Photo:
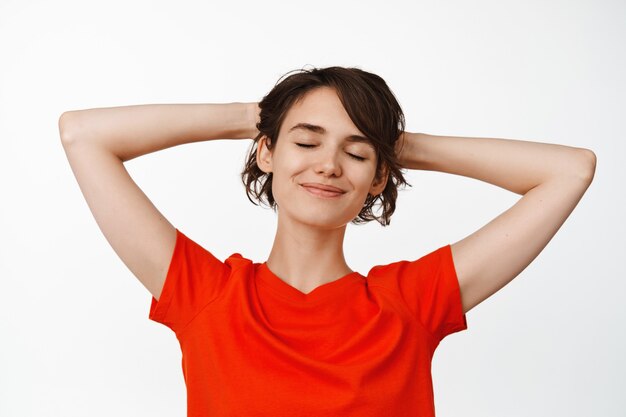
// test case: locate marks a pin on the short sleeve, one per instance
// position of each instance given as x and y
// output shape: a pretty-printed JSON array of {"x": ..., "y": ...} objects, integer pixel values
[
  {"x": 194, "y": 278},
  {"x": 431, "y": 289}
]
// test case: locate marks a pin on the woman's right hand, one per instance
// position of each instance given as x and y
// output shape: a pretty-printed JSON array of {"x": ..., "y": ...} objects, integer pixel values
[{"x": 254, "y": 117}]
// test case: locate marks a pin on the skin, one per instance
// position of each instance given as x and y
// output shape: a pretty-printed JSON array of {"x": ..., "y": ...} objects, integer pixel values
[
  {"x": 307, "y": 251},
  {"x": 551, "y": 179},
  {"x": 308, "y": 245}
]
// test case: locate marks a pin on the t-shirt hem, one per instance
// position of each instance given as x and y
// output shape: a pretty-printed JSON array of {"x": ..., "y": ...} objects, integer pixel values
[
  {"x": 158, "y": 308},
  {"x": 459, "y": 318}
]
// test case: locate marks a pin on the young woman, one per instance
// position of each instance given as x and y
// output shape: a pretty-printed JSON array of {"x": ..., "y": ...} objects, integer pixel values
[{"x": 302, "y": 334}]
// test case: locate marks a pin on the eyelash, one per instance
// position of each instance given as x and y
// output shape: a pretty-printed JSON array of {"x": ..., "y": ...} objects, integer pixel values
[{"x": 358, "y": 158}]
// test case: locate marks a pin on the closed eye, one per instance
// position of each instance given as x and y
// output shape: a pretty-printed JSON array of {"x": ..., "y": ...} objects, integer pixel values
[{"x": 358, "y": 158}]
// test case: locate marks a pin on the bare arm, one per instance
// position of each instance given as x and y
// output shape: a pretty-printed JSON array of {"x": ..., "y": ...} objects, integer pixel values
[
  {"x": 552, "y": 179},
  {"x": 98, "y": 141}
]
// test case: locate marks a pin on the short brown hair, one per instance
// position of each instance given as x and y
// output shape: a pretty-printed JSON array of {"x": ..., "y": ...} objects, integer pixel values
[{"x": 373, "y": 109}]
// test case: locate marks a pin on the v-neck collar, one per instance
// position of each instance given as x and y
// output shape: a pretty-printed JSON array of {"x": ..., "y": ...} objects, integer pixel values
[{"x": 321, "y": 292}]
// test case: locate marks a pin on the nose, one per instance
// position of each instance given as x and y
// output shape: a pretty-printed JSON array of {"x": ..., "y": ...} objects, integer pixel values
[{"x": 328, "y": 163}]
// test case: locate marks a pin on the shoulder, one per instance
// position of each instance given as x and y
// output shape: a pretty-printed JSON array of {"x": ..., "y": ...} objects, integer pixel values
[{"x": 429, "y": 260}]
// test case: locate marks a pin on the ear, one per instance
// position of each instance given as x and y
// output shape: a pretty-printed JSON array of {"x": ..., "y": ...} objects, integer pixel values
[
  {"x": 264, "y": 155},
  {"x": 379, "y": 184}
]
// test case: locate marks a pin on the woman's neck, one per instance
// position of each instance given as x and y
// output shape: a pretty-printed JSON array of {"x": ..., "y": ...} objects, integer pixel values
[{"x": 306, "y": 257}]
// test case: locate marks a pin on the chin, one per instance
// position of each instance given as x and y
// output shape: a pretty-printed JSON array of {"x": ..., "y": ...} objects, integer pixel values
[
  {"x": 318, "y": 219},
  {"x": 325, "y": 215}
]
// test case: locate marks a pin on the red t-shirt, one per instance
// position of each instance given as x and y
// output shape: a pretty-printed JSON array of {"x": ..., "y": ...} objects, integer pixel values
[{"x": 252, "y": 345}]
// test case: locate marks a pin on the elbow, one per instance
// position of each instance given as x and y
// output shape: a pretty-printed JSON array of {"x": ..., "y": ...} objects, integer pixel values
[
  {"x": 590, "y": 164},
  {"x": 66, "y": 123},
  {"x": 587, "y": 168}
]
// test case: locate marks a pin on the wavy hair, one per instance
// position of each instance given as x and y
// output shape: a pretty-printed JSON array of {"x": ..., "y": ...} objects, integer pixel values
[{"x": 371, "y": 106}]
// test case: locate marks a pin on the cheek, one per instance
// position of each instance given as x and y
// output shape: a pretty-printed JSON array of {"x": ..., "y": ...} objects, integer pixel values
[
  {"x": 290, "y": 169},
  {"x": 285, "y": 176},
  {"x": 366, "y": 177}
]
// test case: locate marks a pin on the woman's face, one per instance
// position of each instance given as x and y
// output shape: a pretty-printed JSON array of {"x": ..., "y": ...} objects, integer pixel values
[{"x": 319, "y": 144}]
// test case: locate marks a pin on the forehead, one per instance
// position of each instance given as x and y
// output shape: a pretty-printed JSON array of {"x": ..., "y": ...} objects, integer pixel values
[{"x": 320, "y": 107}]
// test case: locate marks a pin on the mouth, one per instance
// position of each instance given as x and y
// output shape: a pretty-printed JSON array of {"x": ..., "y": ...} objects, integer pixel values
[{"x": 324, "y": 193}]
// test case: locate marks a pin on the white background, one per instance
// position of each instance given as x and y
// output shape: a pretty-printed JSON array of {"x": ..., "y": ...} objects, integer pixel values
[{"x": 75, "y": 335}]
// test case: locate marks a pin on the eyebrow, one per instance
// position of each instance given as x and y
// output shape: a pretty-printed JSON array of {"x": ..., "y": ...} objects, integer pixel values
[{"x": 320, "y": 130}]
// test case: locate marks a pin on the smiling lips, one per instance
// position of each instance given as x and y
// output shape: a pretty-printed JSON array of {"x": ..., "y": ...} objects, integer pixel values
[{"x": 322, "y": 189}]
